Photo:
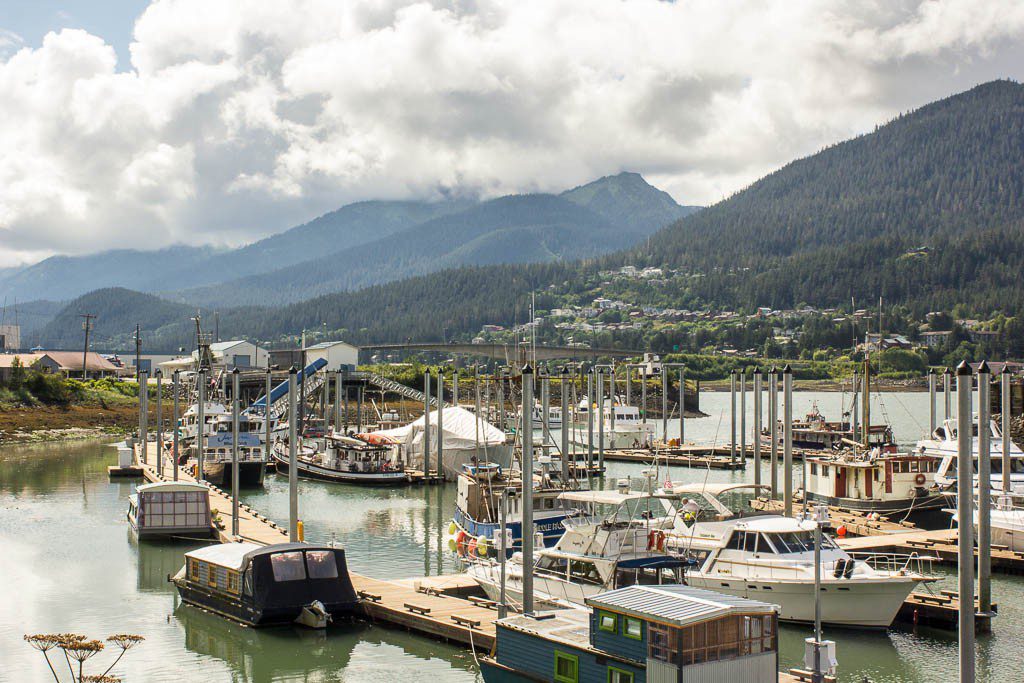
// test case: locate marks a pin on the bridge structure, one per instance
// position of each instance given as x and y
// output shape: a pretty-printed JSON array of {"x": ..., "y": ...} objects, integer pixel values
[{"x": 510, "y": 353}]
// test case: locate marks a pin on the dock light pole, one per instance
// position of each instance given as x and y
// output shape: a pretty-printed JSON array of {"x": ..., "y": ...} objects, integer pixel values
[
  {"x": 600, "y": 418},
  {"x": 947, "y": 381},
  {"x": 426, "y": 423},
  {"x": 590, "y": 420},
  {"x": 758, "y": 401},
  {"x": 565, "y": 424},
  {"x": 773, "y": 428},
  {"x": 984, "y": 489},
  {"x": 159, "y": 424},
  {"x": 743, "y": 414},
  {"x": 234, "y": 452},
  {"x": 144, "y": 416},
  {"x": 293, "y": 466},
  {"x": 1004, "y": 411},
  {"x": 932, "y": 412},
  {"x": 174, "y": 423},
  {"x": 965, "y": 519},
  {"x": 820, "y": 518},
  {"x": 732, "y": 415},
  {"x": 787, "y": 440},
  {"x": 528, "y": 529},
  {"x": 440, "y": 420},
  {"x": 201, "y": 427}
]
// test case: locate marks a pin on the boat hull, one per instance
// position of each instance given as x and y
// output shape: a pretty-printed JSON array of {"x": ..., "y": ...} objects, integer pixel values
[
  {"x": 847, "y": 602},
  {"x": 890, "y": 506},
  {"x": 250, "y": 473},
  {"x": 550, "y": 526},
  {"x": 238, "y": 610}
]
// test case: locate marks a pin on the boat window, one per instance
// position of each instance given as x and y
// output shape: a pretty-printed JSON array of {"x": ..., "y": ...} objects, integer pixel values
[
  {"x": 1016, "y": 465},
  {"x": 798, "y": 542},
  {"x": 193, "y": 569},
  {"x": 567, "y": 668},
  {"x": 814, "y": 468},
  {"x": 607, "y": 621},
  {"x": 321, "y": 564},
  {"x": 751, "y": 543},
  {"x": 554, "y": 565},
  {"x": 619, "y": 676},
  {"x": 632, "y": 628},
  {"x": 824, "y": 470},
  {"x": 584, "y": 572},
  {"x": 288, "y": 566},
  {"x": 232, "y": 581},
  {"x": 737, "y": 541}
]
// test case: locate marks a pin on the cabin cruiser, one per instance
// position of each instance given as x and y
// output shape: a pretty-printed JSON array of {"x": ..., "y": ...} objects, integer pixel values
[
  {"x": 597, "y": 552},
  {"x": 344, "y": 459},
  {"x": 771, "y": 558},
  {"x": 624, "y": 426},
  {"x": 873, "y": 481},
  {"x": 481, "y": 488},
  {"x": 264, "y": 585},
  {"x": 943, "y": 446},
  {"x": 1006, "y": 519}
]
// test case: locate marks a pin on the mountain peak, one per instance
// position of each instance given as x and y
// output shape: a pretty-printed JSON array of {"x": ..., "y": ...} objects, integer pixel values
[{"x": 629, "y": 201}]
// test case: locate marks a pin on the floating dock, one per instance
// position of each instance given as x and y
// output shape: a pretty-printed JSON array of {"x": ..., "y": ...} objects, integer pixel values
[
  {"x": 703, "y": 457},
  {"x": 856, "y": 523},
  {"x": 942, "y": 545}
]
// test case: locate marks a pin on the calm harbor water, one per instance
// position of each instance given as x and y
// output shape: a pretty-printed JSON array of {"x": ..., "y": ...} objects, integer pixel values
[{"x": 68, "y": 563}]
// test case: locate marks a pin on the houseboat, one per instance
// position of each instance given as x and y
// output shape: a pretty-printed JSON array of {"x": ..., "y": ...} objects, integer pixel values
[
  {"x": 658, "y": 634},
  {"x": 345, "y": 459},
  {"x": 170, "y": 508},
  {"x": 771, "y": 558},
  {"x": 943, "y": 445},
  {"x": 887, "y": 483},
  {"x": 266, "y": 585}
]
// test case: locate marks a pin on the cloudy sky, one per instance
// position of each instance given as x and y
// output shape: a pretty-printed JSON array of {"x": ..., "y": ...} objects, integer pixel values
[{"x": 188, "y": 121}]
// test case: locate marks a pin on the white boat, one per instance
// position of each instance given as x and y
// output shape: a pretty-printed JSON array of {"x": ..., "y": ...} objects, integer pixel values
[
  {"x": 1006, "y": 520},
  {"x": 943, "y": 445},
  {"x": 624, "y": 426},
  {"x": 554, "y": 416},
  {"x": 596, "y": 553},
  {"x": 344, "y": 459},
  {"x": 771, "y": 558},
  {"x": 218, "y": 440}
]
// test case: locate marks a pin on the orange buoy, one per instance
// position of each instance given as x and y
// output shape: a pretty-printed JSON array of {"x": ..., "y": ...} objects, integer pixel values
[
  {"x": 471, "y": 548},
  {"x": 841, "y": 531},
  {"x": 460, "y": 542}
]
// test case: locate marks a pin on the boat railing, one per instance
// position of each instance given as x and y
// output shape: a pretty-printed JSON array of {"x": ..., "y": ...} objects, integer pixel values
[{"x": 897, "y": 563}]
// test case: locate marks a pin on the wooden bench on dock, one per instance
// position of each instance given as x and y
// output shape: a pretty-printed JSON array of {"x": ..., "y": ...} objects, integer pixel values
[
  {"x": 466, "y": 621},
  {"x": 417, "y": 609},
  {"x": 483, "y": 602},
  {"x": 364, "y": 595}
]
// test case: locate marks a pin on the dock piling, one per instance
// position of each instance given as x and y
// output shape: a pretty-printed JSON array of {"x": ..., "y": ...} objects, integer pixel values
[
  {"x": 565, "y": 423},
  {"x": 174, "y": 423},
  {"x": 266, "y": 416},
  {"x": 527, "y": 514},
  {"x": 201, "y": 427},
  {"x": 590, "y": 420},
  {"x": 965, "y": 517},
  {"x": 600, "y": 418},
  {"x": 1004, "y": 413},
  {"x": 144, "y": 414},
  {"x": 984, "y": 489},
  {"x": 758, "y": 400},
  {"x": 159, "y": 423},
  {"x": 234, "y": 452},
  {"x": 545, "y": 408},
  {"x": 773, "y": 428},
  {"x": 854, "y": 413},
  {"x": 743, "y": 413},
  {"x": 947, "y": 381},
  {"x": 293, "y": 468},
  {"x": 732, "y": 415},
  {"x": 931, "y": 402},
  {"x": 440, "y": 421},
  {"x": 787, "y": 441},
  {"x": 426, "y": 423},
  {"x": 682, "y": 404}
]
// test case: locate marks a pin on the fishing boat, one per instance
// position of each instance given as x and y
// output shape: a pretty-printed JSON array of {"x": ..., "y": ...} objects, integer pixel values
[
  {"x": 218, "y": 440},
  {"x": 621, "y": 543},
  {"x": 624, "y": 426},
  {"x": 170, "y": 508},
  {"x": 344, "y": 459},
  {"x": 481, "y": 489},
  {"x": 943, "y": 446},
  {"x": 771, "y": 558},
  {"x": 259, "y": 585},
  {"x": 814, "y": 432},
  {"x": 872, "y": 481}
]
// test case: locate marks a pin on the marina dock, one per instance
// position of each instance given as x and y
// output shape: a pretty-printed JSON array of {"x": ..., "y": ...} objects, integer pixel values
[
  {"x": 856, "y": 523},
  {"x": 942, "y": 545},
  {"x": 706, "y": 457}
]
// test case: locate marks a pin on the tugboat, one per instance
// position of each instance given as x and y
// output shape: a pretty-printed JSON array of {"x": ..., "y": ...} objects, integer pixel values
[
  {"x": 268, "y": 585},
  {"x": 345, "y": 459}
]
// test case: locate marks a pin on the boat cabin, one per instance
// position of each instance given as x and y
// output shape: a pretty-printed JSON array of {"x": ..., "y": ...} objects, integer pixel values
[
  {"x": 875, "y": 482},
  {"x": 654, "y": 634},
  {"x": 170, "y": 508},
  {"x": 262, "y": 585}
]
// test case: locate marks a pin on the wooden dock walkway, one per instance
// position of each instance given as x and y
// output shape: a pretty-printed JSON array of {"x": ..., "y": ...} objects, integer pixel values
[
  {"x": 942, "y": 545},
  {"x": 685, "y": 456},
  {"x": 856, "y": 523},
  {"x": 432, "y": 608}
]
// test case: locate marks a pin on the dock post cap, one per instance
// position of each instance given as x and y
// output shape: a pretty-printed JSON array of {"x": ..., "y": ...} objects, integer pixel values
[
  {"x": 947, "y": 371},
  {"x": 527, "y": 370},
  {"x": 984, "y": 369},
  {"x": 1006, "y": 369},
  {"x": 787, "y": 370},
  {"x": 963, "y": 369},
  {"x": 426, "y": 371},
  {"x": 293, "y": 370},
  {"x": 268, "y": 370},
  {"x": 233, "y": 372},
  {"x": 774, "y": 370},
  {"x": 931, "y": 371},
  {"x": 565, "y": 369},
  {"x": 158, "y": 373}
]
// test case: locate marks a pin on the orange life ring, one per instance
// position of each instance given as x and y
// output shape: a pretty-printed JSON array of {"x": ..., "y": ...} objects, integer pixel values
[
  {"x": 471, "y": 548},
  {"x": 656, "y": 540},
  {"x": 919, "y": 479},
  {"x": 460, "y": 542}
]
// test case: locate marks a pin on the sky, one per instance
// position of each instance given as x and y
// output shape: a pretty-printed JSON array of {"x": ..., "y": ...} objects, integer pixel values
[{"x": 134, "y": 124}]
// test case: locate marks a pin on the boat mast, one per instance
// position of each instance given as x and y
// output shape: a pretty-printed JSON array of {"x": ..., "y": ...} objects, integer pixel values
[{"x": 866, "y": 426}]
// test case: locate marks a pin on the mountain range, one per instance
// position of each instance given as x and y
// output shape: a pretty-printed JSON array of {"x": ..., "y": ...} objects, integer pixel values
[
  {"x": 368, "y": 243},
  {"x": 927, "y": 210}
]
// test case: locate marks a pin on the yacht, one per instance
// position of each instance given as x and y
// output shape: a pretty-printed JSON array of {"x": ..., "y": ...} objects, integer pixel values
[
  {"x": 1006, "y": 520},
  {"x": 624, "y": 426},
  {"x": 771, "y": 558},
  {"x": 943, "y": 446},
  {"x": 597, "y": 553}
]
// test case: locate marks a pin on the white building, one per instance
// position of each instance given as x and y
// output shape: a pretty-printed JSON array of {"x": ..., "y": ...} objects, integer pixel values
[
  {"x": 336, "y": 353},
  {"x": 238, "y": 354}
]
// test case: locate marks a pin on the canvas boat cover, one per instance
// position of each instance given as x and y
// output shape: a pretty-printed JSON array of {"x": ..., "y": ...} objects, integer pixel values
[{"x": 461, "y": 430}]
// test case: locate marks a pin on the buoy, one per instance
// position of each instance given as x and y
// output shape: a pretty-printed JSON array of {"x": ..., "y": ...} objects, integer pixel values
[
  {"x": 301, "y": 531},
  {"x": 841, "y": 531},
  {"x": 453, "y": 528},
  {"x": 451, "y": 545},
  {"x": 471, "y": 548},
  {"x": 482, "y": 546},
  {"x": 460, "y": 542}
]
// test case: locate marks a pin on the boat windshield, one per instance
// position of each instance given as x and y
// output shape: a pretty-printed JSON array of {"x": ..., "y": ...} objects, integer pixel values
[{"x": 798, "y": 542}]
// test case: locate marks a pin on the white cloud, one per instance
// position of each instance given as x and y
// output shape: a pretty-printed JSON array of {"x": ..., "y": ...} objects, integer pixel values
[{"x": 239, "y": 118}]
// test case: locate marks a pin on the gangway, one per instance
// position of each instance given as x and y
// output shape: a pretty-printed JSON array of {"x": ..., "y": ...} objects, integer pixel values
[
  {"x": 279, "y": 394},
  {"x": 393, "y": 386}
]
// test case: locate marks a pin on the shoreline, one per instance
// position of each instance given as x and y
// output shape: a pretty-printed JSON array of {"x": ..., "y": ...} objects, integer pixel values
[{"x": 41, "y": 424}]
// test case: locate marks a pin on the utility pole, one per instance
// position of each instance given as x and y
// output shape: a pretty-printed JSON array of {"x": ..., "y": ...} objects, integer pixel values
[
  {"x": 138, "y": 350},
  {"x": 86, "y": 325}
]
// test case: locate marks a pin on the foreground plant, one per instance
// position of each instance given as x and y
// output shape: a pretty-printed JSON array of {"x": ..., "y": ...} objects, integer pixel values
[{"x": 80, "y": 649}]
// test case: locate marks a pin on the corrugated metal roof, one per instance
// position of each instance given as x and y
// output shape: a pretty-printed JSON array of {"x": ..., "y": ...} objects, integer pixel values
[
  {"x": 676, "y": 604},
  {"x": 329, "y": 344},
  {"x": 230, "y": 555}
]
